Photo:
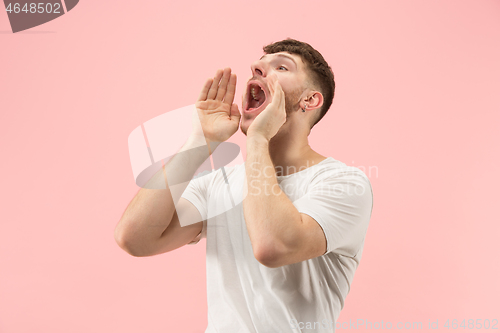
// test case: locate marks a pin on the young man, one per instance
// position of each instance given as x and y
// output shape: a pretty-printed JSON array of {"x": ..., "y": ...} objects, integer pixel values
[{"x": 284, "y": 258}]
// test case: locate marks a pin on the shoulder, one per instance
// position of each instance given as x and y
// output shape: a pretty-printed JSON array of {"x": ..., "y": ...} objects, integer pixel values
[
  {"x": 333, "y": 169},
  {"x": 337, "y": 178}
]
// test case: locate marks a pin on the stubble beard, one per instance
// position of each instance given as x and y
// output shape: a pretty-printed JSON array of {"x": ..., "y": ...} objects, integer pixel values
[{"x": 292, "y": 101}]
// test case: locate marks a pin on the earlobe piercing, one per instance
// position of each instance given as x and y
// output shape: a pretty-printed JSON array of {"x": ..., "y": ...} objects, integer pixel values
[{"x": 304, "y": 109}]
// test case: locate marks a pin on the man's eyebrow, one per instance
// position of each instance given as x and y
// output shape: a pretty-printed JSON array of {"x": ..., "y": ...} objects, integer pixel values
[{"x": 281, "y": 55}]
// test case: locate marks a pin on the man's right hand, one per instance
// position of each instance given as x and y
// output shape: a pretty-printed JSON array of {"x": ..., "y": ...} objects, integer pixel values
[{"x": 218, "y": 116}]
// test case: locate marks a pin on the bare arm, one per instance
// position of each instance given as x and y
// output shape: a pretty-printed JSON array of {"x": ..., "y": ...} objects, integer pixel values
[
  {"x": 150, "y": 213},
  {"x": 279, "y": 234},
  {"x": 150, "y": 224}
]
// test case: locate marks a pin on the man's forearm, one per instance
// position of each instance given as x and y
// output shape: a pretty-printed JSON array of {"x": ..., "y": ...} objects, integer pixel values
[
  {"x": 150, "y": 212},
  {"x": 270, "y": 216}
]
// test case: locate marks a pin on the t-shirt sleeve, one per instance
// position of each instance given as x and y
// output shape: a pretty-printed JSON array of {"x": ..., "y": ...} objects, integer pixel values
[
  {"x": 196, "y": 193},
  {"x": 341, "y": 203}
]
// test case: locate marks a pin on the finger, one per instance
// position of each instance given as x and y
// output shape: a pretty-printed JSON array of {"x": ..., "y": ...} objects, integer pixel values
[
  {"x": 271, "y": 90},
  {"x": 276, "y": 94},
  {"x": 283, "y": 102},
  {"x": 221, "y": 92},
  {"x": 204, "y": 90},
  {"x": 273, "y": 80},
  {"x": 231, "y": 88},
  {"x": 201, "y": 105},
  {"x": 215, "y": 85},
  {"x": 281, "y": 96}
]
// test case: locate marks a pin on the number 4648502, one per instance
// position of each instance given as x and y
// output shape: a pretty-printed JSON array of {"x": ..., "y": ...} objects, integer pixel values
[
  {"x": 472, "y": 324},
  {"x": 33, "y": 8}
]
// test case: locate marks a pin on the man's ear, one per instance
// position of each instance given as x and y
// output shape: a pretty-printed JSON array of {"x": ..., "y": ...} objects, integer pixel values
[{"x": 315, "y": 101}]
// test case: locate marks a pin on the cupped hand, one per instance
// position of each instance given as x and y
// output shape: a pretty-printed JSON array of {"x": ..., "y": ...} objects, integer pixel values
[
  {"x": 269, "y": 121},
  {"x": 218, "y": 116}
]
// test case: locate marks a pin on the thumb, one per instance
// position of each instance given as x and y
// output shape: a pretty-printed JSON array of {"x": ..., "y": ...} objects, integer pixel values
[{"x": 235, "y": 112}]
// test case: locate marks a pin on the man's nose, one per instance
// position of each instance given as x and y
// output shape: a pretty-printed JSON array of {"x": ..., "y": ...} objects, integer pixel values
[{"x": 259, "y": 68}]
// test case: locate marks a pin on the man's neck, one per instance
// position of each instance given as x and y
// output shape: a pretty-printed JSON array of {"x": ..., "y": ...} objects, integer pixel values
[{"x": 291, "y": 154}]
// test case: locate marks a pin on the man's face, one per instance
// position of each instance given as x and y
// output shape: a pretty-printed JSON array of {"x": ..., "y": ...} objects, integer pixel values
[{"x": 290, "y": 71}]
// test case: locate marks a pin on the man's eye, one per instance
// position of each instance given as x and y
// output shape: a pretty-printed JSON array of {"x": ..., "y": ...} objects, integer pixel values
[{"x": 282, "y": 67}]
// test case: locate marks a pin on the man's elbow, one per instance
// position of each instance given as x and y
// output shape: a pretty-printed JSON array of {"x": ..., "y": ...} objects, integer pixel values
[
  {"x": 269, "y": 256},
  {"x": 125, "y": 244}
]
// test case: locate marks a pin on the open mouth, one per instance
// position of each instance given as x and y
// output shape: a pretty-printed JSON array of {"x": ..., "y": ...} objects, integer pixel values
[{"x": 256, "y": 97}]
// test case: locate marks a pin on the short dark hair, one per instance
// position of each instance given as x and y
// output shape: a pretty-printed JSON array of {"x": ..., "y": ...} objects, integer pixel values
[{"x": 318, "y": 70}]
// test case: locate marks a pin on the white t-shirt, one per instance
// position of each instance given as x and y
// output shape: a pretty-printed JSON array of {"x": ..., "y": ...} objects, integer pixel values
[{"x": 245, "y": 296}]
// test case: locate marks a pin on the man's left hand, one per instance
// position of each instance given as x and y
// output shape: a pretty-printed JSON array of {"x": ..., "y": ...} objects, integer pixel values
[{"x": 270, "y": 120}]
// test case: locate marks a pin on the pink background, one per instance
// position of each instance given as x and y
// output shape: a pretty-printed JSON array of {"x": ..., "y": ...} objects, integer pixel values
[{"x": 417, "y": 100}]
